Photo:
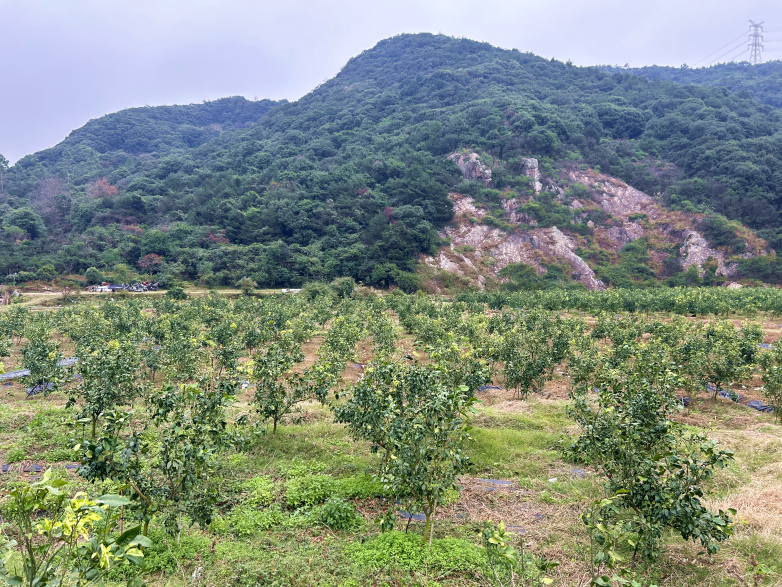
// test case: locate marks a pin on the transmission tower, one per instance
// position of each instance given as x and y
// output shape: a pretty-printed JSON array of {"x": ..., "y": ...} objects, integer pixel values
[{"x": 755, "y": 43}]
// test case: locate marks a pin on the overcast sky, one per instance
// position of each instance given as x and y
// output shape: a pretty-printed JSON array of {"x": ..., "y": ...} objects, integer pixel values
[{"x": 66, "y": 61}]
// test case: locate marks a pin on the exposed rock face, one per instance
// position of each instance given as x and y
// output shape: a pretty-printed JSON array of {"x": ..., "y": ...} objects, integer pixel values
[
  {"x": 472, "y": 168},
  {"x": 616, "y": 197},
  {"x": 550, "y": 242},
  {"x": 531, "y": 170},
  {"x": 630, "y": 231},
  {"x": 696, "y": 251},
  {"x": 465, "y": 207},
  {"x": 510, "y": 207},
  {"x": 478, "y": 251},
  {"x": 530, "y": 247},
  {"x": 622, "y": 201}
]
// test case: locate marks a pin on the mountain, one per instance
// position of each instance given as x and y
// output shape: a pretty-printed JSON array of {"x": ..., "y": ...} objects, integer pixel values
[{"x": 360, "y": 176}]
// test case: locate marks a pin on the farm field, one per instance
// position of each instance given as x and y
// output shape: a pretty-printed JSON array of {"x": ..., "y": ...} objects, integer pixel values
[{"x": 339, "y": 437}]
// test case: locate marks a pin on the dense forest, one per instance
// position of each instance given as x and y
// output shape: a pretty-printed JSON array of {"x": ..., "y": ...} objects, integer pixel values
[
  {"x": 353, "y": 179},
  {"x": 761, "y": 81}
]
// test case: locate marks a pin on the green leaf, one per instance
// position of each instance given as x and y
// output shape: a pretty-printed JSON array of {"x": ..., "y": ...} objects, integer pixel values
[
  {"x": 141, "y": 540},
  {"x": 113, "y": 501},
  {"x": 128, "y": 535}
]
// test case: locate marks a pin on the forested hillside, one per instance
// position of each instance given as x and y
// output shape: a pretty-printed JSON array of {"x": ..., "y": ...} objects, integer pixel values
[
  {"x": 763, "y": 81},
  {"x": 353, "y": 179}
]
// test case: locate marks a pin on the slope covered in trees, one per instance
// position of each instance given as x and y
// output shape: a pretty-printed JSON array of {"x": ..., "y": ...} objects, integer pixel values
[
  {"x": 761, "y": 81},
  {"x": 353, "y": 179}
]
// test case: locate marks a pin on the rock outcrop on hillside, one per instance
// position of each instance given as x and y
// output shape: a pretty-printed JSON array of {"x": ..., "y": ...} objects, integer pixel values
[
  {"x": 623, "y": 201},
  {"x": 478, "y": 250},
  {"x": 472, "y": 168}
]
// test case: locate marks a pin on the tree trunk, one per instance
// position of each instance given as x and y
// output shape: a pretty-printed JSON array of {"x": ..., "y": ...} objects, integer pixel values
[{"x": 427, "y": 526}]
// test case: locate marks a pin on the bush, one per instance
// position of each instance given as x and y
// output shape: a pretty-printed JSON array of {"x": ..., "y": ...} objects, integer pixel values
[
  {"x": 358, "y": 487},
  {"x": 47, "y": 272},
  {"x": 93, "y": 276},
  {"x": 21, "y": 277},
  {"x": 176, "y": 293},
  {"x": 15, "y": 454},
  {"x": 247, "y": 285},
  {"x": 314, "y": 290},
  {"x": 313, "y": 489},
  {"x": 407, "y": 282},
  {"x": 338, "y": 514},
  {"x": 244, "y": 521},
  {"x": 309, "y": 490},
  {"x": 164, "y": 556},
  {"x": 166, "y": 280},
  {"x": 343, "y": 286},
  {"x": 261, "y": 491},
  {"x": 406, "y": 551}
]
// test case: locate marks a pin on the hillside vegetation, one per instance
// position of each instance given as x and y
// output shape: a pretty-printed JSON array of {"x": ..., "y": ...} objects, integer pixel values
[
  {"x": 353, "y": 179},
  {"x": 760, "y": 81}
]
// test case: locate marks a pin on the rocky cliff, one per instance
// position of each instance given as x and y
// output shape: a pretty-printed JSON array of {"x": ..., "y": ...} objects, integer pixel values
[{"x": 478, "y": 248}]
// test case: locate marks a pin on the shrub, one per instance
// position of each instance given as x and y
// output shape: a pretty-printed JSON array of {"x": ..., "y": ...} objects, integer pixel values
[
  {"x": 246, "y": 521},
  {"x": 261, "y": 491},
  {"x": 15, "y": 454},
  {"x": 47, "y": 272},
  {"x": 358, "y": 487},
  {"x": 175, "y": 292},
  {"x": 247, "y": 285},
  {"x": 343, "y": 286},
  {"x": 309, "y": 490},
  {"x": 404, "y": 551},
  {"x": 314, "y": 290},
  {"x": 337, "y": 513}
]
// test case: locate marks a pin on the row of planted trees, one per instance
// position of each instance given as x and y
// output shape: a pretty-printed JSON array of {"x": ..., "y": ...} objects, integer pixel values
[{"x": 155, "y": 399}]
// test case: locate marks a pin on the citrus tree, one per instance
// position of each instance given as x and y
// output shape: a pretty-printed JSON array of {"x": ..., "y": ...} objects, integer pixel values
[
  {"x": 408, "y": 412},
  {"x": 109, "y": 378},
  {"x": 771, "y": 365},
  {"x": 167, "y": 462},
  {"x": 627, "y": 433},
  {"x": 279, "y": 389},
  {"x": 41, "y": 355}
]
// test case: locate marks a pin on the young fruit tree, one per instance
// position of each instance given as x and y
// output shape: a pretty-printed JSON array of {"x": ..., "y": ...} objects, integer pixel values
[
  {"x": 279, "y": 389},
  {"x": 110, "y": 378},
  {"x": 166, "y": 465},
  {"x": 657, "y": 466},
  {"x": 771, "y": 365},
  {"x": 409, "y": 412},
  {"x": 728, "y": 353},
  {"x": 41, "y": 355}
]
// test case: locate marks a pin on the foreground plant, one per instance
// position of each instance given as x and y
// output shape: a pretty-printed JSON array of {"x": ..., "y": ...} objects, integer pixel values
[
  {"x": 506, "y": 564},
  {"x": 65, "y": 541}
]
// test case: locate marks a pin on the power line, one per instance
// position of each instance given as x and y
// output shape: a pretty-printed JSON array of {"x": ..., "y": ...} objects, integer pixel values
[
  {"x": 720, "y": 49},
  {"x": 728, "y": 52}
]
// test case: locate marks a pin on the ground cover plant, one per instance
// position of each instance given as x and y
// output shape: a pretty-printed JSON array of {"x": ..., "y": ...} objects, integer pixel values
[{"x": 340, "y": 437}]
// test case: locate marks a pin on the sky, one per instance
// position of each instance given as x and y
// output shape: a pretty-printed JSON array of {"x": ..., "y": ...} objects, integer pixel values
[{"x": 63, "y": 62}]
